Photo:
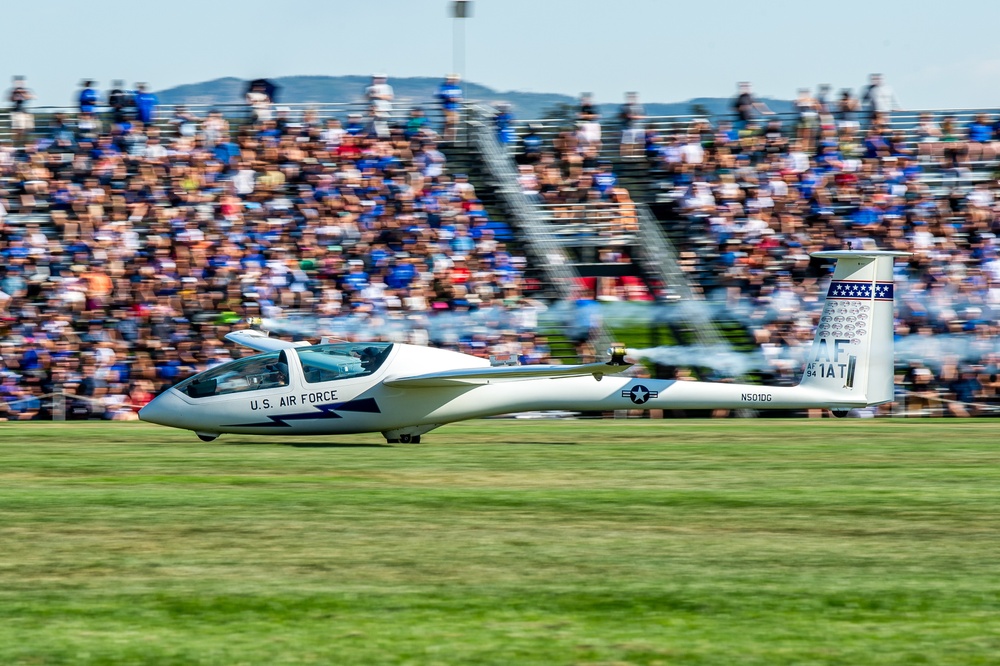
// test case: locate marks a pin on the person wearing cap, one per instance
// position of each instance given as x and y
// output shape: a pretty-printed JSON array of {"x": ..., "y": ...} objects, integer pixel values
[
  {"x": 259, "y": 103},
  {"x": 88, "y": 126},
  {"x": 380, "y": 95},
  {"x": 355, "y": 125},
  {"x": 450, "y": 95},
  {"x": 87, "y": 99},
  {"x": 121, "y": 102},
  {"x": 632, "y": 117},
  {"x": 145, "y": 104},
  {"x": 504, "y": 122},
  {"x": 21, "y": 121}
]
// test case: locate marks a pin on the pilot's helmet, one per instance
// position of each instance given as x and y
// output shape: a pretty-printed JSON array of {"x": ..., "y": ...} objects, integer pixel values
[{"x": 369, "y": 354}]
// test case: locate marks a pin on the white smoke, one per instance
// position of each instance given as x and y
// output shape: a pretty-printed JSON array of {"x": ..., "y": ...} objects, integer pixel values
[
  {"x": 447, "y": 328},
  {"x": 726, "y": 362},
  {"x": 934, "y": 350},
  {"x": 397, "y": 326},
  {"x": 722, "y": 359}
]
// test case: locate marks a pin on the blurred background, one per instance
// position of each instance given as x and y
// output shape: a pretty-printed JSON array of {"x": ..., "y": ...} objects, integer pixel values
[{"x": 536, "y": 179}]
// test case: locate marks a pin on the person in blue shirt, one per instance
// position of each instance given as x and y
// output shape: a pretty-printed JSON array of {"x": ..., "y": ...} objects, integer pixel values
[
  {"x": 450, "y": 94},
  {"x": 88, "y": 98},
  {"x": 87, "y": 125},
  {"x": 462, "y": 243},
  {"x": 504, "y": 121},
  {"x": 145, "y": 104},
  {"x": 531, "y": 146},
  {"x": 876, "y": 145},
  {"x": 604, "y": 178},
  {"x": 403, "y": 272},
  {"x": 63, "y": 134},
  {"x": 829, "y": 158},
  {"x": 357, "y": 279},
  {"x": 355, "y": 125},
  {"x": 980, "y": 139},
  {"x": 867, "y": 215},
  {"x": 227, "y": 153}
]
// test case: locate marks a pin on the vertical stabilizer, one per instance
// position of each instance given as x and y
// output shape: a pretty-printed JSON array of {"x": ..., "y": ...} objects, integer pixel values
[{"x": 851, "y": 357}]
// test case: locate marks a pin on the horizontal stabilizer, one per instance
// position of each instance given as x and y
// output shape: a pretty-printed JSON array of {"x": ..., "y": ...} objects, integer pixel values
[{"x": 473, "y": 376}]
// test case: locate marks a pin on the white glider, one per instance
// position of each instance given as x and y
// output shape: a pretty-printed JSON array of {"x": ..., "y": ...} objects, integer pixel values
[{"x": 404, "y": 391}]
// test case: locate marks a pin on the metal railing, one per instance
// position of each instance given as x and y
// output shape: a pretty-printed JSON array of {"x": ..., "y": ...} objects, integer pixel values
[
  {"x": 657, "y": 249},
  {"x": 547, "y": 128},
  {"x": 595, "y": 224},
  {"x": 526, "y": 213},
  {"x": 907, "y": 122},
  {"x": 238, "y": 114}
]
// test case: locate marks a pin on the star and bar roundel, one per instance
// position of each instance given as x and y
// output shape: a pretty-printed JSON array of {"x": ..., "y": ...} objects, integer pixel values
[
  {"x": 844, "y": 289},
  {"x": 639, "y": 394}
]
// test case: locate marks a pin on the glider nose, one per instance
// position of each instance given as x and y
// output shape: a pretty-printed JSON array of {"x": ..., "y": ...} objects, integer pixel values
[{"x": 165, "y": 409}]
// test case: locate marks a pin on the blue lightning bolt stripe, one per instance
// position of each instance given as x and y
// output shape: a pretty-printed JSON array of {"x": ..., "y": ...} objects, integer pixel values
[{"x": 327, "y": 411}]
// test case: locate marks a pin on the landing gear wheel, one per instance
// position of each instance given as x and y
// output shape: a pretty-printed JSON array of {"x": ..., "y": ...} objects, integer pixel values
[
  {"x": 206, "y": 437},
  {"x": 840, "y": 413},
  {"x": 407, "y": 434}
]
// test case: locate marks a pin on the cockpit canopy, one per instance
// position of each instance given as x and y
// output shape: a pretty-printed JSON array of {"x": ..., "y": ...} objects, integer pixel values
[
  {"x": 324, "y": 363},
  {"x": 320, "y": 363}
]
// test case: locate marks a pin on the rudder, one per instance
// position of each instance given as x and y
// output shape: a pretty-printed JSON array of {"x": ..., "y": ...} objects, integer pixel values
[{"x": 852, "y": 356}]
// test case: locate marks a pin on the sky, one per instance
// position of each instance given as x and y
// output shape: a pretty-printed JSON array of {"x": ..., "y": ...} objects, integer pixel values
[{"x": 934, "y": 56}]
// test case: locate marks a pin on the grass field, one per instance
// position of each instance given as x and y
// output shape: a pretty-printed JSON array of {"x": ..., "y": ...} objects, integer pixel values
[{"x": 502, "y": 542}]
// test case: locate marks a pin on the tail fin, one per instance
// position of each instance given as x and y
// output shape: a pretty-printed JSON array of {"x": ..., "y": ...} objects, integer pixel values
[{"x": 851, "y": 357}]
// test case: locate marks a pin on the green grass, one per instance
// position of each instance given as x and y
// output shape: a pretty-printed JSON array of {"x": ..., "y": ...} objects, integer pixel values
[{"x": 498, "y": 542}]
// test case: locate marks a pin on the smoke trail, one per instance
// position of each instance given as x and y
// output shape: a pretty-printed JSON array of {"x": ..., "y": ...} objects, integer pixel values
[
  {"x": 439, "y": 328},
  {"x": 722, "y": 359},
  {"x": 725, "y": 361},
  {"x": 935, "y": 350},
  {"x": 782, "y": 306},
  {"x": 930, "y": 351}
]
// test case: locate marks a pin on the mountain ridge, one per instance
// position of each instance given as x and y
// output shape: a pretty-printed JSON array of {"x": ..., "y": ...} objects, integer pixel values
[{"x": 422, "y": 90}]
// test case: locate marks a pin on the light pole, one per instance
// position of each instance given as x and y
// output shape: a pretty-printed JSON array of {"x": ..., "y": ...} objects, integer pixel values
[{"x": 460, "y": 10}]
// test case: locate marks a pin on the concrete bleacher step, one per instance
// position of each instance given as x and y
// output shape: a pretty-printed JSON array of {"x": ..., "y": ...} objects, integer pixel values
[
  {"x": 463, "y": 158},
  {"x": 634, "y": 175}
]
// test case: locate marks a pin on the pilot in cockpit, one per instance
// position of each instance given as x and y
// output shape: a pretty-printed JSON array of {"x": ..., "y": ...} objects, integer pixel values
[
  {"x": 276, "y": 373},
  {"x": 369, "y": 358}
]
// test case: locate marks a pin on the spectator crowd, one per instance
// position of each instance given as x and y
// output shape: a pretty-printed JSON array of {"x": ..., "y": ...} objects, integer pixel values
[
  {"x": 132, "y": 243},
  {"x": 746, "y": 196}
]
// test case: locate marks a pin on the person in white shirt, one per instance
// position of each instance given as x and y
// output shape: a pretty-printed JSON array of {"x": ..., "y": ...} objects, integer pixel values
[
  {"x": 797, "y": 160},
  {"x": 691, "y": 151},
  {"x": 244, "y": 179},
  {"x": 380, "y": 95},
  {"x": 333, "y": 134},
  {"x": 259, "y": 102},
  {"x": 154, "y": 150},
  {"x": 527, "y": 179},
  {"x": 880, "y": 98}
]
